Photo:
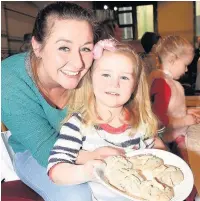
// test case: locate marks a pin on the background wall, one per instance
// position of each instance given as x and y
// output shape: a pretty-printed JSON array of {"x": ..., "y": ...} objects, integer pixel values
[
  {"x": 85, "y": 4},
  {"x": 176, "y": 18},
  {"x": 17, "y": 18}
]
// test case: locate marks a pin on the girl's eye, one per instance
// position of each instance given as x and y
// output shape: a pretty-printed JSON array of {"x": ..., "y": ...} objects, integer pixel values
[
  {"x": 105, "y": 75},
  {"x": 86, "y": 49},
  {"x": 124, "y": 78},
  {"x": 64, "y": 49}
]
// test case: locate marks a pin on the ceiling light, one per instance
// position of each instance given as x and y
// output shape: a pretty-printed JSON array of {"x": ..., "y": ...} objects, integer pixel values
[{"x": 105, "y": 7}]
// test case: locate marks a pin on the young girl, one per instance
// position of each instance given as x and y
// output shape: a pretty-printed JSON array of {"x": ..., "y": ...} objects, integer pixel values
[
  {"x": 175, "y": 54},
  {"x": 114, "y": 115}
]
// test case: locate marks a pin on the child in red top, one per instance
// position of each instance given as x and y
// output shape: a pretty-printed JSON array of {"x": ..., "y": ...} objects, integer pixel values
[{"x": 175, "y": 54}]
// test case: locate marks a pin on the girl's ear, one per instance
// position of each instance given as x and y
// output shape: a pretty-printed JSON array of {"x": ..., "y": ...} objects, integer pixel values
[
  {"x": 172, "y": 59},
  {"x": 36, "y": 47}
]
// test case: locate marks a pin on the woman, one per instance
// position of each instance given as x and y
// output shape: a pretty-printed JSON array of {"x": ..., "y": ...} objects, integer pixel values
[{"x": 34, "y": 93}]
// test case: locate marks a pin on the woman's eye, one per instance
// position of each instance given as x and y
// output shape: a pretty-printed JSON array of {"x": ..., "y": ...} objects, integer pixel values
[
  {"x": 105, "y": 75},
  {"x": 64, "y": 49},
  {"x": 86, "y": 49},
  {"x": 124, "y": 78}
]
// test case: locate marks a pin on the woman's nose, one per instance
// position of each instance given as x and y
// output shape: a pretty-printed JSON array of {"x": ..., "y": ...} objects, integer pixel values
[{"x": 77, "y": 60}]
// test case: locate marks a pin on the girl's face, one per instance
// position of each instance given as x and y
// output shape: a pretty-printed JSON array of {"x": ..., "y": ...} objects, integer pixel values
[
  {"x": 113, "y": 80},
  {"x": 179, "y": 66},
  {"x": 67, "y": 54}
]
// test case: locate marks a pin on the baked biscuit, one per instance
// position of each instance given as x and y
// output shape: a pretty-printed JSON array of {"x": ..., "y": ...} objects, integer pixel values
[
  {"x": 151, "y": 190},
  {"x": 127, "y": 180},
  {"x": 170, "y": 176},
  {"x": 157, "y": 171},
  {"x": 146, "y": 162},
  {"x": 117, "y": 161},
  {"x": 144, "y": 177}
]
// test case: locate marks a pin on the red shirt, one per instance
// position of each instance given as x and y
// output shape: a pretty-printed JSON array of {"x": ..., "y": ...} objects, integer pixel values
[{"x": 160, "y": 96}]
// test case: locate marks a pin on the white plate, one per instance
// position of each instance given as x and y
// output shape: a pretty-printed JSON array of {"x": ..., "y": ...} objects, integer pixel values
[{"x": 181, "y": 191}]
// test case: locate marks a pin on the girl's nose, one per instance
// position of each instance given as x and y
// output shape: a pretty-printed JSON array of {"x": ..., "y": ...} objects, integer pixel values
[{"x": 115, "y": 82}]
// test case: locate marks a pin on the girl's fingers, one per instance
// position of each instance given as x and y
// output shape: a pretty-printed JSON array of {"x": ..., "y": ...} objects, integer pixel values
[
  {"x": 122, "y": 152},
  {"x": 194, "y": 112}
]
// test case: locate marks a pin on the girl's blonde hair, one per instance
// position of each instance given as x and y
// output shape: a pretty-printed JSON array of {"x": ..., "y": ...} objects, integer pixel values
[
  {"x": 175, "y": 45},
  {"x": 82, "y": 99}
]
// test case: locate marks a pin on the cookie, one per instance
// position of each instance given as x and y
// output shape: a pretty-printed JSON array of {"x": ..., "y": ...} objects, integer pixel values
[
  {"x": 170, "y": 176},
  {"x": 152, "y": 190}
]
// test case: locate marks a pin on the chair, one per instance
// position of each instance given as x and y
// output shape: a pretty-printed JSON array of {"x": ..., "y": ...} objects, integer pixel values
[
  {"x": 18, "y": 191},
  {"x": 12, "y": 189},
  {"x": 3, "y": 127}
]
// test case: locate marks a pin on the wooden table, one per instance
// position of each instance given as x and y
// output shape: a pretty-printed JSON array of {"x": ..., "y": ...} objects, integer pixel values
[
  {"x": 193, "y": 147},
  {"x": 192, "y": 101}
]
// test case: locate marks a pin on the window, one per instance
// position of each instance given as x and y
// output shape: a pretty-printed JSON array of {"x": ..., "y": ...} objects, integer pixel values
[
  {"x": 125, "y": 8},
  {"x": 145, "y": 20},
  {"x": 125, "y": 18},
  {"x": 197, "y": 11},
  {"x": 136, "y": 20}
]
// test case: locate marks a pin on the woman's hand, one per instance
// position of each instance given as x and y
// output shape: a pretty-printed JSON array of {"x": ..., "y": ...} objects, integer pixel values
[{"x": 103, "y": 152}]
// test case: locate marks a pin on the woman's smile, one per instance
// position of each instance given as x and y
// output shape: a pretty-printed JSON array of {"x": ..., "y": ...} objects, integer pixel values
[{"x": 70, "y": 73}]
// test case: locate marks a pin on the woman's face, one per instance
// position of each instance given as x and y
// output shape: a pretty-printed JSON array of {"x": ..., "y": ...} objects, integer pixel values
[{"x": 67, "y": 54}]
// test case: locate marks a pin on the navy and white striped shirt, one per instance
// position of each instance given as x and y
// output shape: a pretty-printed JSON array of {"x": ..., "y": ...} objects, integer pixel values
[{"x": 74, "y": 136}]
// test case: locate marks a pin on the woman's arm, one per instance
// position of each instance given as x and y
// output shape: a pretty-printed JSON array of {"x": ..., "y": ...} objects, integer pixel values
[{"x": 24, "y": 116}]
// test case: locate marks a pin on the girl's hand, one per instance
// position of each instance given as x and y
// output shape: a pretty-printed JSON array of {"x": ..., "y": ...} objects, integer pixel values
[
  {"x": 194, "y": 111},
  {"x": 89, "y": 169},
  {"x": 103, "y": 152}
]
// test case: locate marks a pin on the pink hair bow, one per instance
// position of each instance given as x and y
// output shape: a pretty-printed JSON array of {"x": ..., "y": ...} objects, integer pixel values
[{"x": 107, "y": 44}]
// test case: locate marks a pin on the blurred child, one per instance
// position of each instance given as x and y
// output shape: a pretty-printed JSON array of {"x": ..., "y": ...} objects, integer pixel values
[
  {"x": 175, "y": 54},
  {"x": 148, "y": 40},
  {"x": 114, "y": 115}
]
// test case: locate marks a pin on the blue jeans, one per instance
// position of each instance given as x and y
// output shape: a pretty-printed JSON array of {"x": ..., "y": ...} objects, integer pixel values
[{"x": 35, "y": 176}]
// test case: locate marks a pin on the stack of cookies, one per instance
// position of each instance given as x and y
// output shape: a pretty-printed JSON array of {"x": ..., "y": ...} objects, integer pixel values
[{"x": 144, "y": 177}]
